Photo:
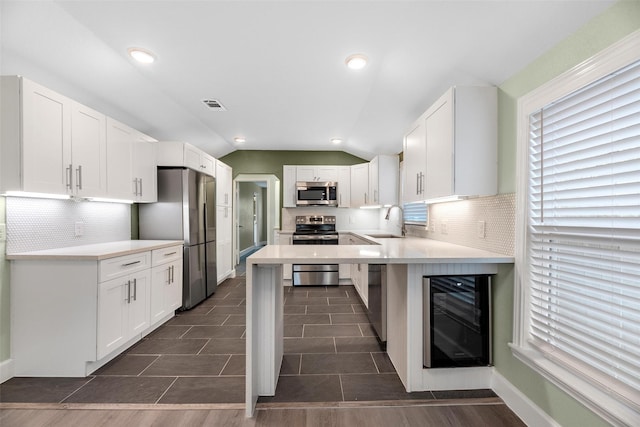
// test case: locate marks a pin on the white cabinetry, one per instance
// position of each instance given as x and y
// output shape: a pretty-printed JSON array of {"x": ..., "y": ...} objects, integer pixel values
[
  {"x": 317, "y": 173},
  {"x": 359, "y": 272},
  {"x": 224, "y": 221},
  {"x": 174, "y": 153},
  {"x": 286, "y": 238},
  {"x": 224, "y": 184},
  {"x": 460, "y": 137},
  {"x": 383, "y": 180},
  {"x": 71, "y": 316},
  {"x": 289, "y": 186},
  {"x": 166, "y": 283},
  {"x": 224, "y": 235},
  {"x": 344, "y": 186},
  {"x": 359, "y": 185},
  {"x": 414, "y": 160},
  {"x": 131, "y": 164},
  {"x": 50, "y": 143}
]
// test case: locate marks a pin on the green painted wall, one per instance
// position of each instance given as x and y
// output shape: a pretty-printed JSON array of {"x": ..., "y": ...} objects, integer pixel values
[
  {"x": 620, "y": 20},
  {"x": 270, "y": 162}
]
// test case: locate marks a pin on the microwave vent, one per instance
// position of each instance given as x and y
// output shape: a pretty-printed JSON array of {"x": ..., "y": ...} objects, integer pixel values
[{"x": 214, "y": 104}]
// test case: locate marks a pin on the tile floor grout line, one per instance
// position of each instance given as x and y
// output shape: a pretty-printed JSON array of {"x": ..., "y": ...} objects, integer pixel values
[
  {"x": 202, "y": 348},
  {"x": 147, "y": 367},
  {"x": 341, "y": 387},
  {"x": 93, "y": 377},
  {"x": 225, "y": 365},
  {"x": 166, "y": 390},
  {"x": 374, "y": 362}
]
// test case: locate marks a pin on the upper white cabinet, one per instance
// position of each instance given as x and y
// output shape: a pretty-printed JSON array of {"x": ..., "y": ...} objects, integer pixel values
[
  {"x": 317, "y": 173},
  {"x": 359, "y": 185},
  {"x": 131, "y": 163},
  {"x": 415, "y": 155},
  {"x": 383, "y": 180},
  {"x": 460, "y": 138},
  {"x": 289, "y": 186},
  {"x": 344, "y": 186},
  {"x": 174, "y": 153},
  {"x": 50, "y": 143},
  {"x": 224, "y": 184}
]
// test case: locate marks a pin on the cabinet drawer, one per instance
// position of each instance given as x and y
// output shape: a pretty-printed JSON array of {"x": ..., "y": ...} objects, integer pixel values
[
  {"x": 160, "y": 256},
  {"x": 119, "y": 266}
]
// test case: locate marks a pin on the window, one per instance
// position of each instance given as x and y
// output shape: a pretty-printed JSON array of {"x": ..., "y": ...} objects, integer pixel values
[
  {"x": 579, "y": 247},
  {"x": 415, "y": 213}
]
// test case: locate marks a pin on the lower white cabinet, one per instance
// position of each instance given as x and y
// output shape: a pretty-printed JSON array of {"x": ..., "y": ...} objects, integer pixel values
[
  {"x": 123, "y": 310},
  {"x": 360, "y": 272},
  {"x": 71, "y": 315},
  {"x": 166, "y": 283},
  {"x": 224, "y": 241}
]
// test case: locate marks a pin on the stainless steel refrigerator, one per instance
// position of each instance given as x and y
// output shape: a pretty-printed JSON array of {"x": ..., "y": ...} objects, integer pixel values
[{"x": 186, "y": 210}]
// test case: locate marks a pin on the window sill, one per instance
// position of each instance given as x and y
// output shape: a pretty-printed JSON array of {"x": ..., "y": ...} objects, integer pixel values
[{"x": 598, "y": 400}]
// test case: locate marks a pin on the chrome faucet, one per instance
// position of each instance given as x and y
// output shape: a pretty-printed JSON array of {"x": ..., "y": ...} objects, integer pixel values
[{"x": 386, "y": 217}]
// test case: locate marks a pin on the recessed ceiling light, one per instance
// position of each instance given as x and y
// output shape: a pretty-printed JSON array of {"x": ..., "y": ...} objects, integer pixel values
[
  {"x": 336, "y": 141},
  {"x": 141, "y": 55},
  {"x": 239, "y": 139},
  {"x": 356, "y": 61}
]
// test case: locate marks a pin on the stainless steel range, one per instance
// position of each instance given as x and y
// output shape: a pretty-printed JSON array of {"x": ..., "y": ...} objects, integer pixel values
[{"x": 315, "y": 230}]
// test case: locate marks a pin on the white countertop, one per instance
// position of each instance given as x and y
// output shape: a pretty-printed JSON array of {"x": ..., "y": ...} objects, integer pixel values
[
  {"x": 406, "y": 250},
  {"x": 95, "y": 252}
]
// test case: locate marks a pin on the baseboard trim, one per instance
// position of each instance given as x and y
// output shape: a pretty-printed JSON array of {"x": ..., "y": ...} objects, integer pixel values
[
  {"x": 6, "y": 370},
  {"x": 530, "y": 413}
]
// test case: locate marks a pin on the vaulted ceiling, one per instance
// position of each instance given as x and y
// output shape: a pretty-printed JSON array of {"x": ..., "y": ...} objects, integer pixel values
[{"x": 278, "y": 66}]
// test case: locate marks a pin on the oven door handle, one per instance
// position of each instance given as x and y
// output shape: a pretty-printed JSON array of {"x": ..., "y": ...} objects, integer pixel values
[{"x": 315, "y": 237}]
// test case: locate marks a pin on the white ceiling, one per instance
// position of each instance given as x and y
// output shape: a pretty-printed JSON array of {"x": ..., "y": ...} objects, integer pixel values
[{"x": 278, "y": 66}]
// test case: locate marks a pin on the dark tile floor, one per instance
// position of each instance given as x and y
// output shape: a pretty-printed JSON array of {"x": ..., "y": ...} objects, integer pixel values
[{"x": 331, "y": 355}]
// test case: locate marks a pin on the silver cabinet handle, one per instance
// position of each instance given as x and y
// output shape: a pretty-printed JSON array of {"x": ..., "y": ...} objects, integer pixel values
[
  {"x": 131, "y": 263},
  {"x": 171, "y": 253},
  {"x": 79, "y": 177},
  {"x": 135, "y": 186},
  {"x": 140, "y": 194},
  {"x": 422, "y": 183},
  {"x": 375, "y": 196},
  {"x": 128, "y": 292},
  {"x": 69, "y": 176},
  {"x": 135, "y": 290},
  {"x": 173, "y": 270},
  {"x": 418, "y": 183}
]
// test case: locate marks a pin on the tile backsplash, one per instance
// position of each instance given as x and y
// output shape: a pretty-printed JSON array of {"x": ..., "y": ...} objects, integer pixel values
[
  {"x": 460, "y": 223},
  {"x": 36, "y": 224}
]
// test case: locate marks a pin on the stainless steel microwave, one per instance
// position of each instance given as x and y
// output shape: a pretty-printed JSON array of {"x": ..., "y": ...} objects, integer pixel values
[{"x": 324, "y": 193}]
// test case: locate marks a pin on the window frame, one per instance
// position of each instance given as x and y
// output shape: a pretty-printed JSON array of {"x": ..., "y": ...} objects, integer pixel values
[{"x": 613, "y": 58}]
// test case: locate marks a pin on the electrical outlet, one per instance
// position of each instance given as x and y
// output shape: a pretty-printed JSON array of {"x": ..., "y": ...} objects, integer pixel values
[
  {"x": 3, "y": 232},
  {"x": 79, "y": 228},
  {"x": 481, "y": 229},
  {"x": 444, "y": 227}
]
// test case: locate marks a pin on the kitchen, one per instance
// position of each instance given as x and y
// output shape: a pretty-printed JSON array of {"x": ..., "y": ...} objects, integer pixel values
[{"x": 622, "y": 17}]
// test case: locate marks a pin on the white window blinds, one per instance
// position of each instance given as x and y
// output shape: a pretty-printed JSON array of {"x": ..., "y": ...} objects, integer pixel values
[
  {"x": 415, "y": 213},
  {"x": 584, "y": 231}
]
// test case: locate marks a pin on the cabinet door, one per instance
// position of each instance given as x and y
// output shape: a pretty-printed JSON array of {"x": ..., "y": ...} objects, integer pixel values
[
  {"x": 373, "y": 192},
  {"x": 207, "y": 164},
  {"x": 224, "y": 253},
  {"x": 46, "y": 140},
  {"x": 160, "y": 282},
  {"x": 120, "y": 183},
  {"x": 440, "y": 150},
  {"x": 192, "y": 157},
  {"x": 359, "y": 185},
  {"x": 224, "y": 184},
  {"x": 326, "y": 173},
  {"x": 289, "y": 186},
  {"x": 145, "y": 169},
  {"x": 139, "y": 305},
  {"x": 88, "y": 149},
  {"x": 112, "y": 315},
  {"x": 415, "y": 159},
  {"x": 306, "y": 173},
  {"x": 174, "y": 290},
  {"x": 344, "y": 186}
]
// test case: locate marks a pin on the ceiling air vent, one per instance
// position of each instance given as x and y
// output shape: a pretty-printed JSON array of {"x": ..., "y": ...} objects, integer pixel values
[{"x": 214, "y": 104}]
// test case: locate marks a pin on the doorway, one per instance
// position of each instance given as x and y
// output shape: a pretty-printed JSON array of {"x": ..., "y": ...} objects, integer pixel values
[{"x": 257, "y": 215}]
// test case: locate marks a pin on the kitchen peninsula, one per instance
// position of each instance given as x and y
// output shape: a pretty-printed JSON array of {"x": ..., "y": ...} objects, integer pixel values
[{"x": 408, "y": 260}]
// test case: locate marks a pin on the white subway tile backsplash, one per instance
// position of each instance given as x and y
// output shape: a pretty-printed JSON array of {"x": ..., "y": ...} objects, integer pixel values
[
  {"x": 36, "y": 224},
  {"x": 458, "y": 222}
]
